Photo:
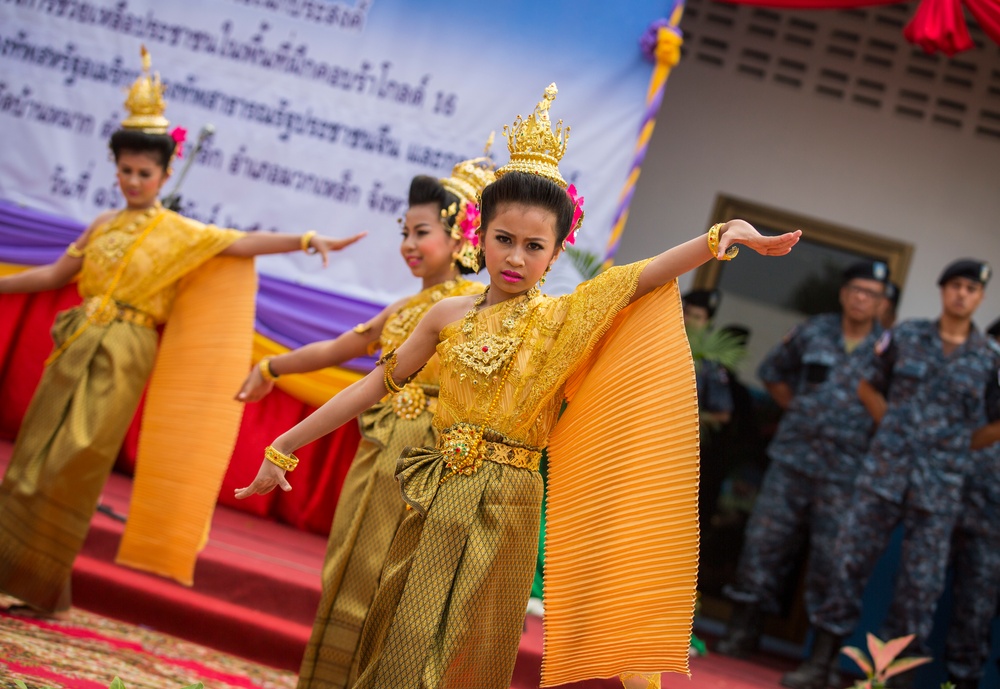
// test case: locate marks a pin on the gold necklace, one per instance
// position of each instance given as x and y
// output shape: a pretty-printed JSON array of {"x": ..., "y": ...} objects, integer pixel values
[
  {"x": 486, "y": 353},
  {"x": 115, "y": 239}
]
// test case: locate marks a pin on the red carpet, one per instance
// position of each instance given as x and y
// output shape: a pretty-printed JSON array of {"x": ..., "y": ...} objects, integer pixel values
[
  {"x": 256, "y": 591},
  {"x": 88, "y": 651}
]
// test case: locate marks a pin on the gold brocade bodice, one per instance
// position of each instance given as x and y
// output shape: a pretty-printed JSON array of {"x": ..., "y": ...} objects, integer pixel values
[
  {"x": 549, "y": 338},
  {"x": 173, "y": 247},
  {"x": 400, "y": 325}
]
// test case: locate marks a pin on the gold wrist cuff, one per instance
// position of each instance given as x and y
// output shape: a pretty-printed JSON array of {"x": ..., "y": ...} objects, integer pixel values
[
  {"x": 713, "y": 243},
  {"x": 306, "y": 240},
  {"x": 280, "y": 459},
  {"x": 265, "y": 369},
  {"x": 389, "y": 362}
]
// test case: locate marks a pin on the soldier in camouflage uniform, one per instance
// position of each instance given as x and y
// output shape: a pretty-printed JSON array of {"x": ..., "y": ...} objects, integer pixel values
[
  {"x": 890, "y": 305},
  {"x": 926, "y": 385},
  {"x": 976, "y": 553},
  {"x": 813, "y": 375},
  {"x": 715, "y": 401}
]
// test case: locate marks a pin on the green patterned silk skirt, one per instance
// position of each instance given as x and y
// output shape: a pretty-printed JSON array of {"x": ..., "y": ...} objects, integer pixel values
[
  {"x": 367, "y": 517},
  {"x": 66, "y": 447},
  {"x": 450, "y": 607}
]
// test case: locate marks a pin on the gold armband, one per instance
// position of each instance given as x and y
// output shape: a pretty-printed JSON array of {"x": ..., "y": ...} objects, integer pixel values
[
  {"x": 265, "y": 369},
  {"x": 361, "y": 328},
  {"x": 74, "y": 252},
  {"x": 280, "y": 459},
  {"x": 713, "y": 243},
  {"x": 306, "y": 240}
]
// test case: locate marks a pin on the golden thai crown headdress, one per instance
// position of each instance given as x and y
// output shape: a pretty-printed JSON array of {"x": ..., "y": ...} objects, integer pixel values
[
  {"x": 536, "y": 148},
  {"x": 145, "y": 102},
  {"x": 467, "y": 181}
]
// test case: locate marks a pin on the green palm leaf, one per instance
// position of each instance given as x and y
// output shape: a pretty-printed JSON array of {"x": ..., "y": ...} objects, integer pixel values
[{"x": 718, "y": 346}]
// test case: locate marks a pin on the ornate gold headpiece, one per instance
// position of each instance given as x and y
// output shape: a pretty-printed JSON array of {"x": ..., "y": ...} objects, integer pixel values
[
  {"x": 467, "y": 181},
  {"x": 534, "y": 147},
  {"x": 145, "y": 102}
]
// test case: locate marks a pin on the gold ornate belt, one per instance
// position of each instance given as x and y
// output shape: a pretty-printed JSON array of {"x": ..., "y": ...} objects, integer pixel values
[
  {"x": 464, "y": 450},
  {"x": 414, "y": 399},
  {"x": 113, "y": 311}
]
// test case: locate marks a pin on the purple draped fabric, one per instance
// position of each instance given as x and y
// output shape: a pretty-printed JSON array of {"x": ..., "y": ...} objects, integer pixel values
[{"x": 290, "y": 314}]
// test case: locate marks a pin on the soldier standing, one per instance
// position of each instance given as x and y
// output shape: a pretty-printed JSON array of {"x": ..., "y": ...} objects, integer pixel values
[
  {"x": 813, "y": 375},
  {"x": 887, "y": 316},
  {"x": 926, "y": 386},
  {"x": 976, "y": 553},
  {"x": 715, "y": 402}
]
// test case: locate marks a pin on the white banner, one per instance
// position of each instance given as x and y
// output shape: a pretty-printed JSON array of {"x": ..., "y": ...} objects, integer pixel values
[{"x": 323, "y": 110}]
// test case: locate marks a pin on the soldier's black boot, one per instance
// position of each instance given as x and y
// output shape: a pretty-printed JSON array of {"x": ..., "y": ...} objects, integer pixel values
[
  {"x": 815, "y": 671},
  {"x": 743, "y": 632},
  {"x": 834, "y": 680}
]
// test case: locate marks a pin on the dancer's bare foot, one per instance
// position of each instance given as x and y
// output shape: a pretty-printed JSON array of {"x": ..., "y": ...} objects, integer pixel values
[{"x": 35, "y": 613}]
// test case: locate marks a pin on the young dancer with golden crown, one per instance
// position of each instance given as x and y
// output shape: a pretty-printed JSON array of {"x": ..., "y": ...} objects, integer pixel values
[
  {"x": 439, "y": 246},
  {"x": 621, "y": 553},
  {"x": 137, "y": 268}
]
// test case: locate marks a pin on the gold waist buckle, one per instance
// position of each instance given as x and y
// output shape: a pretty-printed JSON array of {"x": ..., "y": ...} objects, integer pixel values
[
  {"x": 113, "y": 311},
  {"x": 464, "y": 451}
]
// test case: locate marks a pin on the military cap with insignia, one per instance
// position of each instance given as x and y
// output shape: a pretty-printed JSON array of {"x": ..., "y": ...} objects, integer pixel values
[
  {"x": 979, "y": 271},
  {"x": 867, "y": 270}
]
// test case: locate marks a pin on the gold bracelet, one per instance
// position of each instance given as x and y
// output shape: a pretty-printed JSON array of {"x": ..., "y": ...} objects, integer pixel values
[
  {"x": 305, "y": 240},
  {"x": 73, "y": 252},
  {"x": 266, "y": 371},
  {"x": 362, "y": 328},
  {"x": 280, "y": 459},
  {"x": 713, "y": 243},
  {"x": 389, "y": 362}
]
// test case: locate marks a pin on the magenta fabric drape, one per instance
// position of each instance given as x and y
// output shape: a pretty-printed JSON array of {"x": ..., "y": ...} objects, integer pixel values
[{"x": 936, "y": 24}]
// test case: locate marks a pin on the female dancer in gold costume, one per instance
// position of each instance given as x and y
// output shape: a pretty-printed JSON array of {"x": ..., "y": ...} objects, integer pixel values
[
  {"x": 137, "y": 268},
  {"x": 621, "y": 549},
  {"x": 370, "y": 508}
]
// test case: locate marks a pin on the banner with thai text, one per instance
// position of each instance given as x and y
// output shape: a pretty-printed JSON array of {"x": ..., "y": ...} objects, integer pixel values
[{"x": 322, "y": 110}]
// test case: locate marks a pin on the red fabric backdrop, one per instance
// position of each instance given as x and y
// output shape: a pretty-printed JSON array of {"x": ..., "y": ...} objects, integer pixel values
[
  {"x": 936, "y": 25},
  {"x": 25, "y": 320}
]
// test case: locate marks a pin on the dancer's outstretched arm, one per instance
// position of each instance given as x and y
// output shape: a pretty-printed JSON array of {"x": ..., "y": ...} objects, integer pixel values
[
  {"x": 674, "y": 262},
  {"x": 357, "y": 397},
  {"x": 260, "y": 243},
  {"x": 53, "y": 275},
  {"x": 318, "y": 355}
]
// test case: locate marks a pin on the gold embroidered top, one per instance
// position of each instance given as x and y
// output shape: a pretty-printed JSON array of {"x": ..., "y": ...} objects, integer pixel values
[
  {"x": 556, "y": 335},
  {"x": 173, "y": 248},
  {"x": 400, "y": 324}
]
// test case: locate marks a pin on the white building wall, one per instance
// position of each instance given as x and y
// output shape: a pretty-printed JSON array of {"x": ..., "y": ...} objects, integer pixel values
[{"x": 720, "y": 132}]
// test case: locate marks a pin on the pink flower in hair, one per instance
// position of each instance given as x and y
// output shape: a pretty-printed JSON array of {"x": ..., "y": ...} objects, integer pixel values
[
  {"x": 577, "y": 212},
  {"x": 179, "y": 135},
  {"x": 470, "y": 223}
]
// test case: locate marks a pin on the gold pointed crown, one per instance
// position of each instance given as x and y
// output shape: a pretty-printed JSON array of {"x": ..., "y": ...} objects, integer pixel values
[
  {"x": 534, "y": 147},
  {"x": 467, "y": 181},
  {"x": 469, "y": 177},
  {"x": 145, "y": 102}
]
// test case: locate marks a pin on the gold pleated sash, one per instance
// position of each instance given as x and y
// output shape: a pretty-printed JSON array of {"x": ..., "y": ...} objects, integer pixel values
[
  {"x": 190, "y": 422},
  {"x": 621, "y": 553}
]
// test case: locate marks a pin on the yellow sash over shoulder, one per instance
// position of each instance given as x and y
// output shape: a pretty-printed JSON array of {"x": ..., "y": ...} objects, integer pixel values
[
  {"x": 621, "y": 555},
  {"x": 191, "y": 421}
]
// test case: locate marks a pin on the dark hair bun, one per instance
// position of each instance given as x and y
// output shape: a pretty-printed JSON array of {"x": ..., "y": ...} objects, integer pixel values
[{"x": 161, "y": 145}]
